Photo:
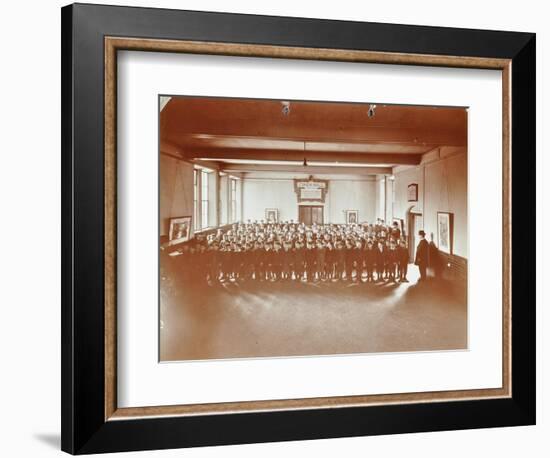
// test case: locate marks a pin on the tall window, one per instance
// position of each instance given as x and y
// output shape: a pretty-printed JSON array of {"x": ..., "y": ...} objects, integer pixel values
[
  {"x": 196, "y": 198},
  {"x": 392, "y": 197},
  {"x": 204, "y": 199},
  {"x": 233, "y": 182}
]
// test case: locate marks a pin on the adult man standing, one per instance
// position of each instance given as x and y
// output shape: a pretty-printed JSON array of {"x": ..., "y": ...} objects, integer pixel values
[{"x": 421, "y": 258}]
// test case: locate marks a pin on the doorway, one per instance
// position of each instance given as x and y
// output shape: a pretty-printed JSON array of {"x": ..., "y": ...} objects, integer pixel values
[
  {"x": 309, "y": 214},
  {"x": 415, "y": 223}
]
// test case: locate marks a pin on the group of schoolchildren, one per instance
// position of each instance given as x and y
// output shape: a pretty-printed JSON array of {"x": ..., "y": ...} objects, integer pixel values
[{"x": 289, "y": 251}]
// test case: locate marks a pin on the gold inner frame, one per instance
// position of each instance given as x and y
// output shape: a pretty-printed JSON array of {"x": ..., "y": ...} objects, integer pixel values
[{"x": 114, "y": 44}]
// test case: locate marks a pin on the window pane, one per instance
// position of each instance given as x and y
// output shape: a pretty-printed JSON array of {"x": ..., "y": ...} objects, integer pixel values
[
  {"x": 204, "y": 199},
  {"x": 204, "y": 180},
  {"x": 204, "y": 215},
  {"x": 233, "y": 200},
  {"x": 195, "y": 200}
]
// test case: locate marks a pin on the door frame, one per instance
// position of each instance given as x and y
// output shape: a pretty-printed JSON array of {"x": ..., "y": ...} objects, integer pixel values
[
  {"x": 411, "y": 235},
  {"x": 322, "y": 207}
]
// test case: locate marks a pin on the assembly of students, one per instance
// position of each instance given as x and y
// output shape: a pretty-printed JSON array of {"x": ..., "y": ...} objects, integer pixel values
[{"x": 289, "y": 251}]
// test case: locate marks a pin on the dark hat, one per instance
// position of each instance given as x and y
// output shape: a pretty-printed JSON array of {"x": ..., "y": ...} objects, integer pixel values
[{"x": 422, "y": 233}]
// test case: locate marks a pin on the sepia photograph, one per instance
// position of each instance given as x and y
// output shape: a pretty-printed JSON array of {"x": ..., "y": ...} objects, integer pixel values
[
  {"x": 283, "y": 228},
  {"x": 317, "y": 228}
]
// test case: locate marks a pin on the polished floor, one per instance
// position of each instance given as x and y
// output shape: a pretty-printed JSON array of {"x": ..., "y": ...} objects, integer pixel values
[{"x": 289, "y": 319}]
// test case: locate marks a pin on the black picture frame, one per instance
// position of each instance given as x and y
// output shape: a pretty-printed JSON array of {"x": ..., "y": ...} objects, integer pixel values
[
  {"x": 412, "y": 192},
  {"x": 84, "y": 427}
]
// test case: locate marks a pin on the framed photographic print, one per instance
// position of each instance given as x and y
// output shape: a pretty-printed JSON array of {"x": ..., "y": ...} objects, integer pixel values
[
  {"x": 180, "y": 229},
  {"x": 311, "y": 118},
  {"x": 412, "y": 190},
  {"x": 352, "y": 217},
  {"x": 272, "y": 215},
  {"x": 445, "y": 232}
]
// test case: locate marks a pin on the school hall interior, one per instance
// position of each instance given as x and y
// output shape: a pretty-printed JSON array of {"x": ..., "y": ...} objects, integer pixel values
[{"x": 255, "y": 175}]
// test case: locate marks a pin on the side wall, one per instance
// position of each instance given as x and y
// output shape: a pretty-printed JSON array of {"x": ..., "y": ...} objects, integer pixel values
[
  {"x": 442, "y": 180},
  {"x": 176, "y": 191}
]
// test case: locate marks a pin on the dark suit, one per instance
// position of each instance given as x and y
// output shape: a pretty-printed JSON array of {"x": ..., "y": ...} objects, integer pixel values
[
  {"x": 299, "y": 262},
  {"x": 370, "y": 261},
  {"x": 391, "y": 262},
  {"x": 421, "y": 258},
  {"x": 311, "y": 257},
  {"x": 403, "y": 262},
  {"x": 380, "y": 262}
]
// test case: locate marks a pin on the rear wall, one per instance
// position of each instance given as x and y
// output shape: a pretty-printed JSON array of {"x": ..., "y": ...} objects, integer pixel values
[{"x": 343, "y": 194}]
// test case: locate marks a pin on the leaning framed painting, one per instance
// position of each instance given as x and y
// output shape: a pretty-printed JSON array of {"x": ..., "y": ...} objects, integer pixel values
[
  {"x": 358, "y": 111},
  {"x": 179, "y": 230}
]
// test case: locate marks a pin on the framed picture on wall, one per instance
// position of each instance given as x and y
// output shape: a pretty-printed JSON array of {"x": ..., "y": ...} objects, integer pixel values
[
  {"x": 445, "y": 232},
  {"x": 352, "y": 216},
  {"x": 234, "y": 298},
  {"x": 272, "y": 215},
  {"x": 412, "y": 192},
  {"x": 180, "y": 229}
]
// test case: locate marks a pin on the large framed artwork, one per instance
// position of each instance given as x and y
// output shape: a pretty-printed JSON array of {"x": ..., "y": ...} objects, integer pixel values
[
  {"x": 271, "y": 215},
  {"x": 180, "y": 230},
  {"x": 352, "y": 216},
  {"x": 311, "y": 118},
  {"x": 445, "y": 232}
]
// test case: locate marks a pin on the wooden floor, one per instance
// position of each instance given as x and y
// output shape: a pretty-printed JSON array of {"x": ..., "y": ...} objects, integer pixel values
[{"x": 290, "y": 319}]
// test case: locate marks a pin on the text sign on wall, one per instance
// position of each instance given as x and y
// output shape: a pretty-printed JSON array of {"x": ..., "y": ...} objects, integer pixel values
[
  {"x": 311, "y": 194},
  {"x": 311, "y": 190}
]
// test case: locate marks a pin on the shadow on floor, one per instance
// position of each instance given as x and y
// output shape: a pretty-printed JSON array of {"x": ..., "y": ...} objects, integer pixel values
[{"x": 53, "y": 440}]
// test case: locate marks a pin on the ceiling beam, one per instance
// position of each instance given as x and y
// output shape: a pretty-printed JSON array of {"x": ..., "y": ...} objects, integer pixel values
[
  {"x": 283, "y": 155},
  {"x": 312, "y": 169},
  {"x": 208, "y": 164},
  {"x": 323, "y": 141}
]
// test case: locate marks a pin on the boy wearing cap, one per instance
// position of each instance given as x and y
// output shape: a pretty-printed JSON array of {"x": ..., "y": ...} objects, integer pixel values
[
  {"x": 268, "y": 261},
  {"x": 403, "y": 256},
  {"x": 321, "y": 258},
  {"x": 310, "y": 261},
  {"x": 380, "y": 260},
  {"x": 277, "y": 256},
  {"x": 392, "y": 262},
  {"x": 340, "y": 257},
  {"x": 330, "y": 258},
  {"x": 299, "y": 260},
  {"x": 369, "y": 258},
  {"x": 357, "y": 256}
]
